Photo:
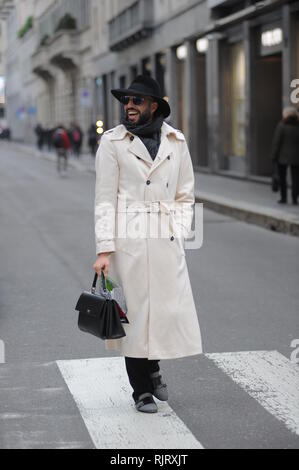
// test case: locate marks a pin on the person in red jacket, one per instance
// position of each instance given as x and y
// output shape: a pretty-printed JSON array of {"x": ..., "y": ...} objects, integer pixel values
[{"x": 62, "y": 144}]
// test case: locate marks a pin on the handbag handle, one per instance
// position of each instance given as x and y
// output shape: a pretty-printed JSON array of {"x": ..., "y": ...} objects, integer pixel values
[{"x": 94, "y": 284}]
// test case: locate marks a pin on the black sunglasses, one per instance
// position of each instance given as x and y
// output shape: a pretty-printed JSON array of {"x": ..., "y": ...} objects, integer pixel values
[{"x": 137, "y": 100}]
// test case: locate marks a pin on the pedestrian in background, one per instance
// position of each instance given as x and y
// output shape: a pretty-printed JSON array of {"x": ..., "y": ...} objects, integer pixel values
[
  {"x": 62, "y": 145},
  {"x": 49, "y": 136},
  {"x": 76, "y": 139},
  {"x": 146, "y": 162},
  {"x": 40, "y": 134},
  {"x": 285, "y": 153},
  {"x": 93, "y": 139}
]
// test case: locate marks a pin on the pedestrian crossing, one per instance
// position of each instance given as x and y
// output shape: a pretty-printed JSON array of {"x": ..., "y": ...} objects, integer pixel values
[
  {"x": 102, "y": 393},
  {"x": 268, "y": 377},
  {"x": 224, "y": 400}
]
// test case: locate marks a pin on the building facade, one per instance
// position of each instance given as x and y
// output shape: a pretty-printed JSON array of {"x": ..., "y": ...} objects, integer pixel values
[
  {"x": 62, "y": 61},
  {"x": 49, "y": 65},
  {"x": 226, "y": 67},
  {"x": 20, "y": 83}
]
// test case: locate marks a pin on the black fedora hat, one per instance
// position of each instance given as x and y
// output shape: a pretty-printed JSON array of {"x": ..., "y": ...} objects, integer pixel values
[{"x": 145, "y": 86}]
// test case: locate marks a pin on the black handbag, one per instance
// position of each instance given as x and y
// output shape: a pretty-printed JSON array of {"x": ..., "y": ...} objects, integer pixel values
[{"x": 99, "y": 314}]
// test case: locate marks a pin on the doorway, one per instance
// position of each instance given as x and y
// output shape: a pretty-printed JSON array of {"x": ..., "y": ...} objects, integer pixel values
[
  {"x": 267, "y": 111},
  {"x": 181, "y": 96},
  {"x": 232, "y": 109}
]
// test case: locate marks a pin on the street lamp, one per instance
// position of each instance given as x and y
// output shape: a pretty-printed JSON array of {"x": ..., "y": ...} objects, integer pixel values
[
  {"x": 181, "y": 52},
  {"x": 272, "y": 37},
  {"x": 100, "y": 127},
  {"x": 202, "y": 45}
]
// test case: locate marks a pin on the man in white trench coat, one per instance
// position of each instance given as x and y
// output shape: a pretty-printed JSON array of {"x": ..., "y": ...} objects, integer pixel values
[{"x": 143, "y": 211}]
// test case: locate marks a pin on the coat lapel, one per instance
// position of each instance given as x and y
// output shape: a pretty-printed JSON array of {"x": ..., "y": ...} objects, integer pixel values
[
  {"x": 165, "y": 150},
  {"x": 138, "y": 149}
]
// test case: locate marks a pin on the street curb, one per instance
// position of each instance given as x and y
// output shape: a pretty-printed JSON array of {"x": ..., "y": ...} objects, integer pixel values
[{"x": 270, "y": 219}]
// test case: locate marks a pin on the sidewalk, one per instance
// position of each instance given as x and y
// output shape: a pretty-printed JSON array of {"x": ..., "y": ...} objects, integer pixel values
[
  {"x": 248, "y": 201},
  {"x": 244, "y": 200}
]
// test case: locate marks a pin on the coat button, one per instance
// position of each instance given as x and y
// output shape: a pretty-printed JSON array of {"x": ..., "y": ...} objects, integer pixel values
[
  {"x": 172, "y": 238},
  {"x": 168, "y": 157},
  {"x": 166, "y": 185},
  {"x": 148, "y": 182},
  {"x": 131, "y": 138}
]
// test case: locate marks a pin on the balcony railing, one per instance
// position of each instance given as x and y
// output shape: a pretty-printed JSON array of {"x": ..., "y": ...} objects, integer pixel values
[
  {"x": 60, "y": 48},
  {"x": 133, "y": 24},
  {"x": 62, "y": 51},
  {"x": 223, "y": 3},
  {"x": 78, "y": 9},
  {"x": 5, "y": 8}
]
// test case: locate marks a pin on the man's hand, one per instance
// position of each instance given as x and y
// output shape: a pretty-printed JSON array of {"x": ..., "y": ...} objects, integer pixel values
[{"x": 103, "y": 262}]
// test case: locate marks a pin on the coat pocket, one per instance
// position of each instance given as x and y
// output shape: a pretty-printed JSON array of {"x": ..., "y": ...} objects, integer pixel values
[{"x": 130, "y": 246}]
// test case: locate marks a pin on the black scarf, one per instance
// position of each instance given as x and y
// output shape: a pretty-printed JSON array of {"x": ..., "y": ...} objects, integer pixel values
[{"x": 149, "y": 132}]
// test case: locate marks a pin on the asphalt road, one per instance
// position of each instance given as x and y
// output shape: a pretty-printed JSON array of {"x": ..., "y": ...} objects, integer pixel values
[{"x": 245, "y": 285}]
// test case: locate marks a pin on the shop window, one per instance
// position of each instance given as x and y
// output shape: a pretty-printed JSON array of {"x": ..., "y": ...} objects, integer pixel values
[
  {"x": 237, "y": 62},
  {"x": 134, "y": 72},
  {"x": 160, "y": 71},
  {"x": 123, "y": 85},
  {"x": 100, "y": 88},
  {"x": 147, "y": 67},
  {"x": 181, "y": 54}
]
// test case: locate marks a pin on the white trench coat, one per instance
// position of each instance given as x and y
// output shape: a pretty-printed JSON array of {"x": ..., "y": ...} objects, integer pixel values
[{"x": 151, "y": 269}]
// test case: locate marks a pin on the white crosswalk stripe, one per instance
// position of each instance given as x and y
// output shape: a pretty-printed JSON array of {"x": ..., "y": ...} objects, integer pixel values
[
  {"x": 102, "y": 392},
  {"x": 267, "y": 376}
]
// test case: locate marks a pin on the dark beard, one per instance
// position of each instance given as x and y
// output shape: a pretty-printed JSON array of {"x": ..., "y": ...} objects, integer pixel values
[
  {"x": 144, "y": 118},
  {"x": 150, "y": 127}
]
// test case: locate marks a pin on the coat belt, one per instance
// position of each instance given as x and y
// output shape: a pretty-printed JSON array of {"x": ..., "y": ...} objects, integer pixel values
[{"x": 149, "y": 207}]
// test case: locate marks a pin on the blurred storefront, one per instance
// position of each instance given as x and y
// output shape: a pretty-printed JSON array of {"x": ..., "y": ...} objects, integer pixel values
[
  {"x": 232, "y": 105},
  {"x": 267, "y": 85},
  {"x": 226, "y": 67},
  {"x": 252, "y": 70}
]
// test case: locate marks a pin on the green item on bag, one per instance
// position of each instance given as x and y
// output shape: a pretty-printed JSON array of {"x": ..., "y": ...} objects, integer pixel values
[
  {"x": 116, "y": 293},
  {"x": 110, "y": 284}
]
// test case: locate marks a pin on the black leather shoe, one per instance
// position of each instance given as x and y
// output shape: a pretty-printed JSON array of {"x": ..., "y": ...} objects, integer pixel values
[
  {"x": 160, "y": 387},
  {"x": 282, "y": 201},
  {"x": 146, "y": 404}
]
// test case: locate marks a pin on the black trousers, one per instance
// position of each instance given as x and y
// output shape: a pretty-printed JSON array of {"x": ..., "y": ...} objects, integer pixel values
[
  {"x": 139, "y": 371},
  {"x": 282, "y": 171}
]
